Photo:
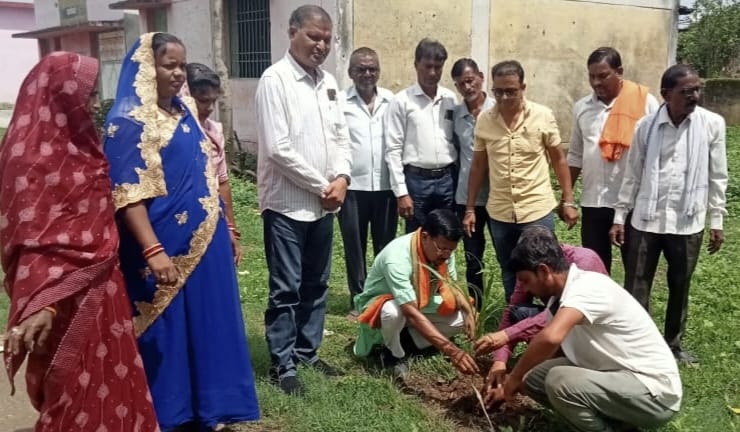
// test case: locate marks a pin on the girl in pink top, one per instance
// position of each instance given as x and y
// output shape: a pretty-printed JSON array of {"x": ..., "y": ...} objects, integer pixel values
[{"x": 204, "y": 86}]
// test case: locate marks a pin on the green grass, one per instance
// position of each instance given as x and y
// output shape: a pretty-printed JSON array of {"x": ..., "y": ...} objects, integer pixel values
[{"x": 366, "y": 400}]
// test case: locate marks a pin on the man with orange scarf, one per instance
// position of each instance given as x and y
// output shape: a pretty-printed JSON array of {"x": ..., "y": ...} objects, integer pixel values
[
  {"x": 411, "y": 285},
  {"x": 603, "y": 125}
]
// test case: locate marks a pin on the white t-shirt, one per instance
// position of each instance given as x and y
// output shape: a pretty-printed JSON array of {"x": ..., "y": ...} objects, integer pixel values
[{"x": 617, "y": 334}]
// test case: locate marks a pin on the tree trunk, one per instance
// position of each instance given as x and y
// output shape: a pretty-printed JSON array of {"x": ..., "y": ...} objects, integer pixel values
[{"x": 225, "y": 112}]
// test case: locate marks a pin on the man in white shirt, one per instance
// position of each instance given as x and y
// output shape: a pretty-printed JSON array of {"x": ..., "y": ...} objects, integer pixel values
[
  {"x": 603, "y": 125},
  {"x": 614, "y": 370},
  {"x": 676, "y": 174},
  {"x": 369, "y": 200},
  {"x": 303, "y": 170},
  {"x": 419, "y": 148}
]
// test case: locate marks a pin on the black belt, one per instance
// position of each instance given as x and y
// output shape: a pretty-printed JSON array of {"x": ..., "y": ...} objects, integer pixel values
[{"x": 428, "y": 172}]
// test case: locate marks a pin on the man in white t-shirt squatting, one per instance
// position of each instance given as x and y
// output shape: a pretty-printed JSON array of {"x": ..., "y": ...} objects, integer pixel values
[{"x": 601, "y": 362}]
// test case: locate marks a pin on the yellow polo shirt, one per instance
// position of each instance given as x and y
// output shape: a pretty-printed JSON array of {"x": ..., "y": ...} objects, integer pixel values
[{"x": 518, "y": 163}]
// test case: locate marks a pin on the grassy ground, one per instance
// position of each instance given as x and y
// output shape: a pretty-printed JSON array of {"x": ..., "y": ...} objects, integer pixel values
[{"x": 368, "y": 400}]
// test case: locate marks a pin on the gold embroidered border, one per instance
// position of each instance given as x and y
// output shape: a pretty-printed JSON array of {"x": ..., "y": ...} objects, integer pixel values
[
  {"x": 155, "y": 135},
  {"x": 163, "y": 296}
]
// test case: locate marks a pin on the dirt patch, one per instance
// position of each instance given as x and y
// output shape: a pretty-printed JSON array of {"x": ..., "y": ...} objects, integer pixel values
[{"x": 456, "y": 398}]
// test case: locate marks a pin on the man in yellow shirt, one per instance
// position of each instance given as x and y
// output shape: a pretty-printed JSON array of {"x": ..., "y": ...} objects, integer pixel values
[{"x": 513, "y": 142}]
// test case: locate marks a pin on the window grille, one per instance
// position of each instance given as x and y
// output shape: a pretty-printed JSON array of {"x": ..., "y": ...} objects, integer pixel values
[{"x": 249, "y": 22}]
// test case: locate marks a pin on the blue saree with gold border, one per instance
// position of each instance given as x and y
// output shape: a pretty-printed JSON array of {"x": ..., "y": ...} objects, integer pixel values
[{"x": 191, "y": 335}]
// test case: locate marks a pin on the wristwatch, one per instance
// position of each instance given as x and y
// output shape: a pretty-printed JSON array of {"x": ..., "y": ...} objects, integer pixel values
[{"x": 345, "y": 177}]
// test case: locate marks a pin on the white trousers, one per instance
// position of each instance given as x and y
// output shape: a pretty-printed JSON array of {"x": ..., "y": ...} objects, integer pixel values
[{"x": 392, "y": 321}]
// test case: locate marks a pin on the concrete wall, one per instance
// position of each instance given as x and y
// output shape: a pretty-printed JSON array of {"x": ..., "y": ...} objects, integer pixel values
[
  {"x": 394, "y": 28},
  {"x": 98, "y": 10},
  {"x": 187, "y": 15},
  {"x": 23, "y": 52},
  {"x": 78, "y": 43},
  {"x": 722, "y": 96},
  {"x": 553, "y": 38},
  {"x": 46, "y": 13}
]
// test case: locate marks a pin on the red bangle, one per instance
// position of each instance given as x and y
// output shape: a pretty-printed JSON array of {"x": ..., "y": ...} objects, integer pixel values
[{"x": 152, "y": 250}]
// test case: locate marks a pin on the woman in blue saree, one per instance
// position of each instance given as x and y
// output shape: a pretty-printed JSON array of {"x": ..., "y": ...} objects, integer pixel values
[{"x": 175, "y": 245}]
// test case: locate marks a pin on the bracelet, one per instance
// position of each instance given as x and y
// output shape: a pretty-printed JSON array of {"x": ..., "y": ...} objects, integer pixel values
[
  {"x": 569, "y": 204},
  {"x": 52, "y": 310},
  {"x": 468, "y": 211},
  {"x": 152, "y": 250},
  {"x": 233, "y": 229}
]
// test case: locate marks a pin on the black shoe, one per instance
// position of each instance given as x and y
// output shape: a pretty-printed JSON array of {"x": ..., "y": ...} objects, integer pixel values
[
  {"x": 685, "y": 357},
  {"x": 398, "y": 366},
  {"x": 326, "y": 369},
  {"x": 290, "y": 385}
]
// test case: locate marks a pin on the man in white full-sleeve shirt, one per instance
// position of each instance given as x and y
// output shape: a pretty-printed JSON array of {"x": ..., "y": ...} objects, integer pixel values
[
  {"x": 420, "y": 150},
  {"x": 370, "y": 201},
  {"x": 303, "y": 171},
  {"x": 603, "y": 125},
  {"x": 676, "y": 174}
]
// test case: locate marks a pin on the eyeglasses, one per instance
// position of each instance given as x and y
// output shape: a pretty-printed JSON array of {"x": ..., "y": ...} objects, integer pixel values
[
  {"x": 363, "y": 70},
  {"x": 509, "y": 93},
  {"x": 688, "y": 92},
  {"x": 442, "y": 251}
]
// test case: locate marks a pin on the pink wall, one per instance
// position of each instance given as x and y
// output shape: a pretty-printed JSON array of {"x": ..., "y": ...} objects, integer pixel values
[{"x": 23, "y": 52}]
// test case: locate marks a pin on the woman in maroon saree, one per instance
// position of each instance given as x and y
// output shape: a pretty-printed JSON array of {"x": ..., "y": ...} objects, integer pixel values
[{"x": 69, "y": 314}]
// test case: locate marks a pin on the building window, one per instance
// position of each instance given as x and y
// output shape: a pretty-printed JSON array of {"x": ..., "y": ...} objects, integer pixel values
[
  {"x": 249, "y": 24},
  {"x": 157, "y": 20}
]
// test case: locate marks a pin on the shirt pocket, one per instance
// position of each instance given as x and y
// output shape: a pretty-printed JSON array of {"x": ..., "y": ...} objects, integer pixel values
[
  {"x": 448, "y": 124},
  {"x": 531, "y": 140}
]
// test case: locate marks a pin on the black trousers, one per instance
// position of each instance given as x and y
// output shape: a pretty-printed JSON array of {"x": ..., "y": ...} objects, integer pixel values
[
  {"x": 377, "y": 209},
  {"x": 642, "y": 252},
  {"x": 475, "y": 247},
  {"x": 595, "y": 225}
]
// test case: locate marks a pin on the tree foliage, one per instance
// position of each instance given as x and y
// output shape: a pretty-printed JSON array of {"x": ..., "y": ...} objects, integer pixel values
[{"x": 712, "y": 42}]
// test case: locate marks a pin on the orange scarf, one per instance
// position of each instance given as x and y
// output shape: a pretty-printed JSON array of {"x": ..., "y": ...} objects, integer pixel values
[
  {"x": 421, "y": 279},
  {"x": 620, "y": 125}
]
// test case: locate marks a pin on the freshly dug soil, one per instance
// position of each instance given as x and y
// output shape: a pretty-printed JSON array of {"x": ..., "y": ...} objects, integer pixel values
[{"x": 458, "y": 401}]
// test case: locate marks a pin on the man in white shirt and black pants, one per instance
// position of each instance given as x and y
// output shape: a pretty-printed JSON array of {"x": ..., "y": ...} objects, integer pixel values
[
  {"x": 369, "y": 200},
  {"x": 303, "y": 170},
  {"x": 614, "y": 371},
  {"x": 420, "y": 151},
  {"x": 601, "y": 156},
  {"x": 676, "y": 174}
]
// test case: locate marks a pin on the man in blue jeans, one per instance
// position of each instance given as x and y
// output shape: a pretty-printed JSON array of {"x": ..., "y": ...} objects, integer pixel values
[
  {"x": 303, "y": 174},
  {"x": 418, "y": 136},
  {"x": 513, "y": 142}
]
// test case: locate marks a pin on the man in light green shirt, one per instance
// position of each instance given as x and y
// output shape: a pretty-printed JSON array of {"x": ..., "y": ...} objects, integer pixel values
[{"x": 409, "y": 285}]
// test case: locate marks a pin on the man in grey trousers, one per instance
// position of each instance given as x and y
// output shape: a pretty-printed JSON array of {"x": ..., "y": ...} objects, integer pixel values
[{"x": 601, "y": 362}]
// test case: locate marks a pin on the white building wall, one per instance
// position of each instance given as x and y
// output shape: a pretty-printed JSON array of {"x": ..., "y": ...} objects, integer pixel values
[
  {"x": 46, "y": 13},
  {"x": 98, "y": 10},
  {"x": 190, "y": 20},
  {"x": 23, "y": 52}
]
